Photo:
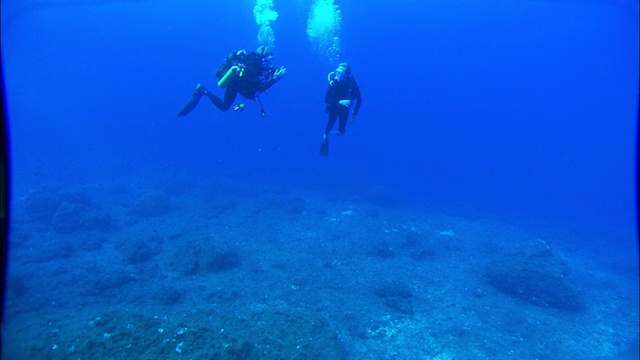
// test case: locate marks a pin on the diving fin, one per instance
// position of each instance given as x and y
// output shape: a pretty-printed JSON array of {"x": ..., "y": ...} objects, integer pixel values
[
  {"x": 197, "y": 94},
  {"x": 238, "y": 108},
  {"x": 324, "y": 147}
]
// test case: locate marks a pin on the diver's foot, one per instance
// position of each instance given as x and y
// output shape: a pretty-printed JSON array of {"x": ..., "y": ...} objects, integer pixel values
[
  {"x": 324, "y": 146},
  {"x": 195, "y": 97},
  {"x": 200, "y": 89},
  {"x": 239, "y": 107}
]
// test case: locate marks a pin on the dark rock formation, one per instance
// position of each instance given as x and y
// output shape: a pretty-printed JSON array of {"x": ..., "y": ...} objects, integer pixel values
[
  {"x": 395, "y": 296},
  {"x": 67, "y": 211},
  {"x": 185, "y": 259},
  {"x": 16, "y": 286},
  {"x": 91, "y": 243},
  {"x": 383, "y": 250},
  {"x": 222, "y": 261},
  {"x": 412, "y": 240},
  {"x": 422, "y": 254},
  {"x": 534, "y": 273},
  {"x": 198, "y": 334},
  {"x": 108, "y": 284},
  {"x": 42, "y": 205},
  {"x": 139, "y": 251},
  {"x": 73, "y": 217},
  {"x": 152, "y": 203},
  {"x": 295, "y": 205},
  {"x": 168, "y": 296}
]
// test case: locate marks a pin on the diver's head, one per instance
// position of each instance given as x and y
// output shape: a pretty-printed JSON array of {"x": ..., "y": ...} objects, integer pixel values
[
  {"x": 343, "y": 71},
  {"x": 345, "y": 67},
  {"x": 266, "y": 55}
]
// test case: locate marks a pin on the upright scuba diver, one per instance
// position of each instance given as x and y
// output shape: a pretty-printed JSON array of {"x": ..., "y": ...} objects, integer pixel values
[
  {"x": 244, "y": 73},
  {"x": 341, "y": 93}
]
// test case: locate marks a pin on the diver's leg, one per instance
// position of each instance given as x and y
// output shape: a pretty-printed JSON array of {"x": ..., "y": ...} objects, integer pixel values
[
  {"x": 324, "y": 145},
  {"x": 333, "y": 116},
  {"x": 224, "y": 105},
  {"x": 195, "y": 97},
  {"x": 342, "y": 124}
]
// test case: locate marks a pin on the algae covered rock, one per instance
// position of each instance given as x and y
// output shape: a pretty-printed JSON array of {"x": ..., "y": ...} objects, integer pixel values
[
  {"x": 535, "y": 274},
  {"x": 196, "y": 334},
  {"x": 71, "y": 217},
  {"x": 152, "y": 203}
]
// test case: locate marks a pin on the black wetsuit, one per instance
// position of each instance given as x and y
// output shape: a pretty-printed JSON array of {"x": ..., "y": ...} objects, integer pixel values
[
  {"x": 256, "y": 78},
  {"x": 341, "y": 90},
  {"x": 247, "y": 86}
]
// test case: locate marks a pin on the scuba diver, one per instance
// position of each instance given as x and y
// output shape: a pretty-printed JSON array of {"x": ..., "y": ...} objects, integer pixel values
[
  {"x": 244, "y": 73},
  {"x": 341, "y": 93}
]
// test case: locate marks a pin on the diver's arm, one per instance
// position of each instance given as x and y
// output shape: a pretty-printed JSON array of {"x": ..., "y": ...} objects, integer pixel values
[
  {"x": 276, "y": 74},
  {"x": 357, "y": 97}
]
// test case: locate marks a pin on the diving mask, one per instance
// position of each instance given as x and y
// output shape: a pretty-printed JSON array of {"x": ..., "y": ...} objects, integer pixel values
[
  {"x": 266, "y": 61},
  {"x": 337, "y": 75}
]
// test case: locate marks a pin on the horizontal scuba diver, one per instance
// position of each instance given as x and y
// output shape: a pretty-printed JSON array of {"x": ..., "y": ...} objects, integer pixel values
[
  {"x": 341, "y": 93},
  {"x": 244, "y": 73}
]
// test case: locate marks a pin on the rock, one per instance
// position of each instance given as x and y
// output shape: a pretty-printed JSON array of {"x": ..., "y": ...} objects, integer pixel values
[
  {"x": 535, "y": 274},
  {"x": 91, "y": 243},
  {"x": 73, "y": 217},
  {"x": 222, "y": 261},
  {"x": 139, "y": 251},
  {"x": 393, "y": 289},
  {"x": 43, "y": 204},
  {"x": 412, "y": 240},
  {"x": 395, "y": 296},
  {"x": 296, "y": 205},
  {"x": 198, "y": 333},
  {"x": 185, "y": 259},
  {"x": 107, "y": 284},
  {"x": 169, "y": 296},
  {"x": 383, "y": 251},
  {"x": 152, "y": 203},
  {"x": 400, "y": 305},
  {"x": 422, "y": 254},
  {"x": 16, "y": 286}
]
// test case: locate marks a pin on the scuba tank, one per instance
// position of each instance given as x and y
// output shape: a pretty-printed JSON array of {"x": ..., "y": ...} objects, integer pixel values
[
  {"x": 232, "y": 68},
  {"x": 233, "y": 73}
]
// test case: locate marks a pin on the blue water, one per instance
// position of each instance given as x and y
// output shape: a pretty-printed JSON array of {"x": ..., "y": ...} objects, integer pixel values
[
  {"x": 527, "y": 109},
  {"x": 522, "y": 111}
]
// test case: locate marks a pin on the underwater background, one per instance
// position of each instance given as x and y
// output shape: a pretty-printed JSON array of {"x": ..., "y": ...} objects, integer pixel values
[{"x": 481, "y": 206}]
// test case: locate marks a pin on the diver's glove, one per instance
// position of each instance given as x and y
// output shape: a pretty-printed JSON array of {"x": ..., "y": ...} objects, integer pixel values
[
  {"x": 352, "y": 118},
  {"x": 237, "y": 69},
  {"x": 278, "y": 74},
  {"x": 345, "y": 103}
]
